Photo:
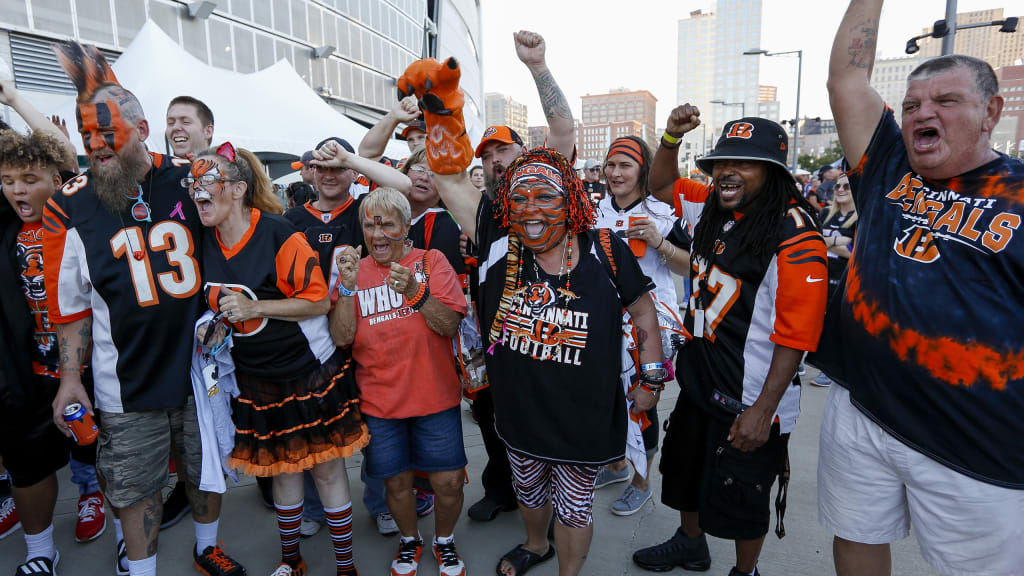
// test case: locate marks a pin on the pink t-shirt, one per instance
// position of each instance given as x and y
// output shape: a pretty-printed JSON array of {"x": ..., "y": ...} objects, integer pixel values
[{"x": 403, "y": 368}]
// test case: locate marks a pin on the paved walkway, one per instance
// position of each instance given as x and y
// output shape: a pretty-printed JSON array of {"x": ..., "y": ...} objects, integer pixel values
[{"x": 249, "y": 530}]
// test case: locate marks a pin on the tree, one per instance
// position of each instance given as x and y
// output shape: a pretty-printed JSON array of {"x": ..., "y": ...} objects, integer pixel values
[{"x": 811, "y": 162}]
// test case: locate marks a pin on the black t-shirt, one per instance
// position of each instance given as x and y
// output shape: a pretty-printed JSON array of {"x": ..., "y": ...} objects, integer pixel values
[
  {"x": 436, "y": 229},
  {"x": 925, "y": 332},
  {"x": 555, "y": 368},
  {"x": 329, "y": 232},
  {"x": 596, "y": 190},
  {"x": 837, "y": 225}
]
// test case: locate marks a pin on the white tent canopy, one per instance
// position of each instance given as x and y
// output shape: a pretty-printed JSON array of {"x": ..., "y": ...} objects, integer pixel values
[{"x": 272, "y": 110}]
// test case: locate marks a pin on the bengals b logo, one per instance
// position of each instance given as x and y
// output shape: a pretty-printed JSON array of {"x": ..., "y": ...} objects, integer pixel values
[
  {"x": 538, "y": 297},
  {"x": 741, "y": 130},
  {"x": 215, "y": 291},
  {"x": 917, "y": 243}
]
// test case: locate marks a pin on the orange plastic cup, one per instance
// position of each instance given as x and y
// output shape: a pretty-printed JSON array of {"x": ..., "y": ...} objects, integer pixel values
[{"x": 638, "y": 246}]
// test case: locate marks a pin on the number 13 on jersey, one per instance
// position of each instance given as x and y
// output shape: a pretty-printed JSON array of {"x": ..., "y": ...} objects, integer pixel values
[
  {"x": 169, "y": 237},
  {"x": 724, "y": 290}
]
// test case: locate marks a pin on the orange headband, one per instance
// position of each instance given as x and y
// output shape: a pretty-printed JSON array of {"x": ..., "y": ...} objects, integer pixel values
[{"x": 629, "y": 147}]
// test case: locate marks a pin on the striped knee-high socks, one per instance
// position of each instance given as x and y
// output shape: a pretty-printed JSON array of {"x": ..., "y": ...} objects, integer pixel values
[
  {"x": 289, "y": 520},
  {"x": 339, "y": 522}
]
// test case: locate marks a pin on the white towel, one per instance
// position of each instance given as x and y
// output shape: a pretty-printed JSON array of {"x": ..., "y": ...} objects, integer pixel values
[{"x": 216, "y": 429}]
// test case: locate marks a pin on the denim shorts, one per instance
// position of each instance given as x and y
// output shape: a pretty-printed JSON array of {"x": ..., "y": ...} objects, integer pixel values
[{"x": 431, "y": 443}]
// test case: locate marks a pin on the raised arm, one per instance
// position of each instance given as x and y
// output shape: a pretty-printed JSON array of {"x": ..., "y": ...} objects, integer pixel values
[
  {"x": 10, "y": 96},
  {"x": 530, "y": 48},
  {"x": 333, "y": 155},
  {"x": 376, "y": 139},
  {"x": 855, "y": 104},
  {"x": 461, "y": 198},
  {"x": 665, "y": 167}
]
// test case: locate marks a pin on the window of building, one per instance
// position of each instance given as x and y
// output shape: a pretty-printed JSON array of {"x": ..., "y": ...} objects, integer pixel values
[
  {"x": 302, "y": 62},
  {"x": 284, "y": 50},
  {"x": 15, "y": 12},
  {"x": 193, "y": 38},
  {"x": 131, "y": 15},
  {"x": 220, "y": 44},
  {"x": 262, "y": 14},
  {"x": 94, "y": 21},
  {"x": 299, "y": 20},
  {"x": 242, "y": 9},
  {"x": 52, "y": 16},
  {"x": 282, "y": 17},
  {"x": 316, "y": 27},
  {"x": 245, "y": 54}
]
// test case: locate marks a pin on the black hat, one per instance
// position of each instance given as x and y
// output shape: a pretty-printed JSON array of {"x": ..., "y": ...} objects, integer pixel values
[
  {"x": 749, "y": 139},
  {"x": 344, "y": 144}
]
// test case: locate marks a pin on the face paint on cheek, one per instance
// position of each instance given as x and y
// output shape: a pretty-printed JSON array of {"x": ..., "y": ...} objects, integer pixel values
[
  {"x": 203, "y": 166},
  {"x": 102, "y": 122},
  {"x": 377, "y": 223},
  {"x": 541, "y": 227}
]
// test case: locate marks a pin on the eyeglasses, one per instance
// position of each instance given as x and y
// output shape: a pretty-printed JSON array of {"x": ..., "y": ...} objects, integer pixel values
[
  {"x": 140, "y": 210},
  {"x": 594, "y": 169},
  {"x": 204, "y": 180},
  {"x": 843, "y": 186},
  {"x": 421, "y": 171}
]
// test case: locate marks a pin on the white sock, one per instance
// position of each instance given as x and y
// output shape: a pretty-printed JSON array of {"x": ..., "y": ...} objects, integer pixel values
[
  {"x": 117, "y": 530},
  {"x": 145, "y": 567},
  {"x": 447, "y": 540},
  {"x": 417, "y": 537},
  {"x": 41, "y": 544},
  {"x": 206, "y": 535}
]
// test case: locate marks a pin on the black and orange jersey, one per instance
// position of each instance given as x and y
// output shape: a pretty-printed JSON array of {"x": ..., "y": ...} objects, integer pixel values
[
  {"x": 435, "y": 229},
  {"x": 753, "y": 303},
  {"x": 139, "y": 281},
  {"x": 329, "y": 232},
  {"x": 926, "y": 331},
  {"x": 272, "y": 261}
]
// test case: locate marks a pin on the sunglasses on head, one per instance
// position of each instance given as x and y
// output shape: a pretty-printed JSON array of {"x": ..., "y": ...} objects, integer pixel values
[{"x": 140, "y": 210}]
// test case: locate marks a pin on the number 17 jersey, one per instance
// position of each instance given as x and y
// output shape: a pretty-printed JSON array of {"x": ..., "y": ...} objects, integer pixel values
[{"x": 138, "y": 280}]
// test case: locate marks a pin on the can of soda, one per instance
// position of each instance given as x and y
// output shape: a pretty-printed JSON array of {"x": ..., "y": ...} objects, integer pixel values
[{"x": 83, "y": 428}]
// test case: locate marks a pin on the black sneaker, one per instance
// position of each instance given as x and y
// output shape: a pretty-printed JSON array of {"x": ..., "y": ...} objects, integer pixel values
[
  {"x": 680, "y": 550},
  {"x": 41, "y": 566},
  {"x": 487, "y": 509},
  {"x": 737, "y": 572},
  {"x": 175, "y": 506},
  {"x": 121, "y": 563},
  {"x": 214, "y": 562}
]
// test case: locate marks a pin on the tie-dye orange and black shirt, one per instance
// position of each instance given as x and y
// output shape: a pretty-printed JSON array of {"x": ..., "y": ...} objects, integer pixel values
[{"x": 927, "y": 334}]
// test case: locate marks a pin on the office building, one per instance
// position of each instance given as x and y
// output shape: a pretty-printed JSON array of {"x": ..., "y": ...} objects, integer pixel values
[
  {"x": 1008, "y": 135},
  {"x": 502, "y": 110},
  {"x": 620, "y": 112},
  {"x": 538, "y": 135},
  {"x": 987, "y": 42}
]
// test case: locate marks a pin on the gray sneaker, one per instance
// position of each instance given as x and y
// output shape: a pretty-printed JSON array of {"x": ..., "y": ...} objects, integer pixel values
[
  {"x": 631, "y": 501},
  {"x": 386, "y": 524},
  {"x": 309, "y": 527},
  {"x": 606, "y": 476},
  {"x": 821, "y": 381}
]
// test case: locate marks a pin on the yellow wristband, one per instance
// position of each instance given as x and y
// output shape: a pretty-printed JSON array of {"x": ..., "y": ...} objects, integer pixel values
[{"x": 669, "y": 138}]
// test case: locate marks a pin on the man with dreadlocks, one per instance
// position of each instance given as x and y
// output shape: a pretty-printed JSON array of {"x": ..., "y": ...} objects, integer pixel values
[
  {"x": 760, "y": 276},
  {"x": 551, "y": 295},
  {"x": 122, "y": 244}
]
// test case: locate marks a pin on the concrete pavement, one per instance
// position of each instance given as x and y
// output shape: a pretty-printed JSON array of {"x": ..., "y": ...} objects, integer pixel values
[{"x": 249, "y": 530}]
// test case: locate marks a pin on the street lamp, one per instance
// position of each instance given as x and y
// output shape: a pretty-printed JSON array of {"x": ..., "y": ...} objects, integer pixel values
[
  {"x": 799, "y": 74},
  {"x": 743, "y": 106},
  {"x": 946, "y": 29}
]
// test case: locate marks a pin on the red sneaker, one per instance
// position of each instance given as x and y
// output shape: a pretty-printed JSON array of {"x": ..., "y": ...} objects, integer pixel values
[
  {"x": 92, "y": 519},
  {"x": 9, "y": 521}
]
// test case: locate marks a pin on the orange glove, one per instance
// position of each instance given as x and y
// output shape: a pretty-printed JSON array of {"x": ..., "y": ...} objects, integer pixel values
[{"x": 436, "y": 85}]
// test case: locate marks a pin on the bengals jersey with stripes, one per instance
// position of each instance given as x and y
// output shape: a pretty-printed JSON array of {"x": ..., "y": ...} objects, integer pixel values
[
  {"x": 272, "y": 261},
  {"x": 328, "y": 232},
  {"x": 753, "y": 303},
  {"x": 139, "y": 280},
  {"x": 927, "y": 331}
]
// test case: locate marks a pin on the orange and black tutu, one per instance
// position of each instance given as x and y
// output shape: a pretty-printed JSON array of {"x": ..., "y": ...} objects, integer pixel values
[{"x": 287, "y": 426}]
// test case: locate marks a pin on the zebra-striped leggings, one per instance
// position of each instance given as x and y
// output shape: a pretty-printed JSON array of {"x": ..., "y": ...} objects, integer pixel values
[{"x": 572, "y": 487}]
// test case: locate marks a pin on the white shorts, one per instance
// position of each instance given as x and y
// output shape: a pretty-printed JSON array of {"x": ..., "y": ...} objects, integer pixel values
[{"x": 872, "y": 488}]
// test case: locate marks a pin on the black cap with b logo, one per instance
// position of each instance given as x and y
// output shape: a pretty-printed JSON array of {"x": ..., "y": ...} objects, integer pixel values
[{"x": 749, "y": 139}]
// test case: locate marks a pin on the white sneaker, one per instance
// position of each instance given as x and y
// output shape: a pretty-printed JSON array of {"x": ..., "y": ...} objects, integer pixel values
[
  {"x": 386, "y": 524},
  {"x": 309, "y": 528}
]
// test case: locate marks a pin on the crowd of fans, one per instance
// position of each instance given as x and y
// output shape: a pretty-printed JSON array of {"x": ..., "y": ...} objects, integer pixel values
[{"x": 292, "y": 335}]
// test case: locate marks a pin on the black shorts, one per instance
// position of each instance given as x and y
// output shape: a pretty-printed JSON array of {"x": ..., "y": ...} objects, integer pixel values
[
  {"x": 31, "y": 445},
  {"x": 702, "y": 472}
]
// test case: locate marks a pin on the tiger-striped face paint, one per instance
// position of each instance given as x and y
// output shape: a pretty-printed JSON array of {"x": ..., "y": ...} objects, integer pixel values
[
  {"x": 537, "y": 215},
  {"x": 101, "y": 125}
]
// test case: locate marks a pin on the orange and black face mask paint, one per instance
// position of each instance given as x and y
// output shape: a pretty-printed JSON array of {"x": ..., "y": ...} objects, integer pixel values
[{"x": 101, "y": 126}]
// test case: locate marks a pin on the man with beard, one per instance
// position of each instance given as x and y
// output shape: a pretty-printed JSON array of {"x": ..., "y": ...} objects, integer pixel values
[
  {"x": 121, "y": 241},
  {"x": 498, "y": 148},
  {"x": 760, "y": 281},
  {"x": 189, "y": 126}
]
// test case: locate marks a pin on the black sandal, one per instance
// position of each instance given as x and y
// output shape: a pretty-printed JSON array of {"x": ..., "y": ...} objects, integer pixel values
[{"x": 522, "y": 560}]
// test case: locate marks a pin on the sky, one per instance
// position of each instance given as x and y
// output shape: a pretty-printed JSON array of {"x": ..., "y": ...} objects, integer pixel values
[{"x": 596, "y": 45}]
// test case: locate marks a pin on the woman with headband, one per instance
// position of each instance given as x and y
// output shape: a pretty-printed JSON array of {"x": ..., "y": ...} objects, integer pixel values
[
  {"x": 552, "y": 292},
  {"x": 660, "y": 244},
  {"x": 298, "y": 407}
]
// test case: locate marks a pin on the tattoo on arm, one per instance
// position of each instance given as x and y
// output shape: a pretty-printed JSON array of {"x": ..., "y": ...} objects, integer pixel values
[
  {"x": 863, "y": 41},
  {"x": 198, "y": 499},
  {"x": 86, "y": 333},
  {"x": 551, "y": 97},
  {"x": 641, "y": 339}
]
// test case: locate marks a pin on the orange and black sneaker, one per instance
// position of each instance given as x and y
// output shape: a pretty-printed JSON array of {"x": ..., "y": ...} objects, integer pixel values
[
  {"x": 408, "y": 558},
  {"x": 448, "y": 561},
  {"x": 286, "y": 569},
  {"x": 214, "y": 562}
]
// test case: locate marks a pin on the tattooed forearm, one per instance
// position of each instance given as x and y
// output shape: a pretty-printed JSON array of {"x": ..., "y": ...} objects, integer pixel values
[
  {"x": 85, "y": 332},
  {"x": 863, "y": 42},
  {"x": 551, "y": 97},
  {"x": 641, "y": 339},
  {"x": 152, "y": 511}
]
